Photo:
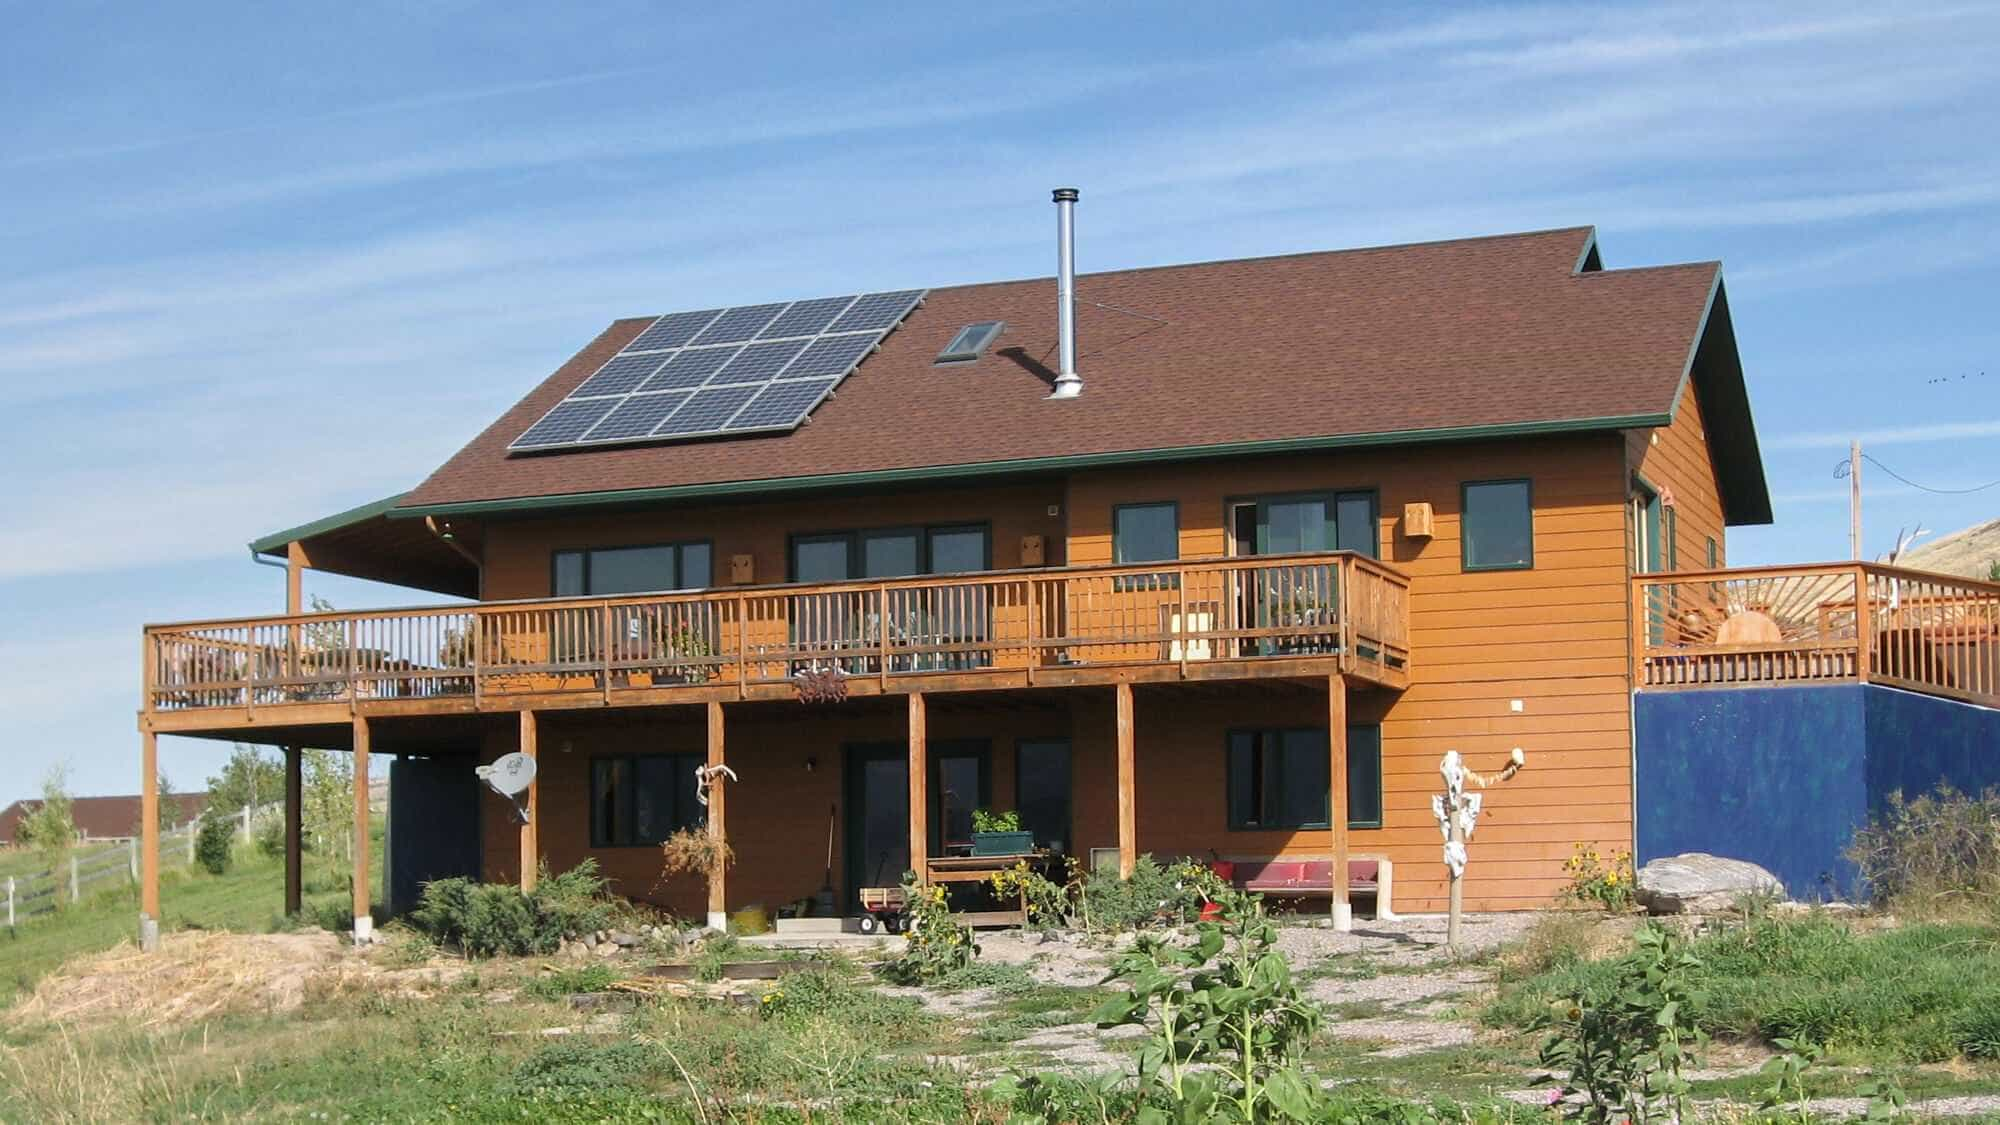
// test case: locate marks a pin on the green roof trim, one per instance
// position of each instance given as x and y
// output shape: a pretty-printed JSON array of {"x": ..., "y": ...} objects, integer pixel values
[
  {"x": 276, "y": 541},
  {"x": 1025, "y": 465}
]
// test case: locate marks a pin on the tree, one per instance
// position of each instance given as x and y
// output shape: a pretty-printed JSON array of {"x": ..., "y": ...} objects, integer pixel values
[
  {"x": 212, "y": 842},
  {"x": 327, "y": 805},
  {"x": 249, "y": 779},
  {"x": 1993, "y": 571},
  {"x": 49, "y": 827}
]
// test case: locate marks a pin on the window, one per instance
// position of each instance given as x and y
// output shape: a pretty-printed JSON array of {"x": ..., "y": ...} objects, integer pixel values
[
  {"x": 604, "y": 571},
  {"x": 890, "y": 553},
  {"x": 1497, "y": 526},
  {"x": 971, "y": 342},
  {"x": 1711, "y": 552},
  {"x": 1326, "y": 521},
  {"x": 1142, "y": 533},
  {"x": 1277, "y": 778},
  {"x": 641, "y": 800}
]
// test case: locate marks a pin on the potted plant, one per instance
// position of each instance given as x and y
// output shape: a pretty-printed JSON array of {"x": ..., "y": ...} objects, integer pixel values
[{"x": 999, "y": 833}]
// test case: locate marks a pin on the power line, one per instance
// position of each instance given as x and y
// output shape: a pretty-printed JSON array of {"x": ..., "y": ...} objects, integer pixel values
[{"x": 1845, "y": 466}]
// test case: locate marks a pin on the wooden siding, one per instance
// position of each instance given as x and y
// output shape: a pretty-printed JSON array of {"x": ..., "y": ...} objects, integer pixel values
[
  {"x": 1554, "y": 638},
  {"x": 1676, "y": 458},
  {"x": 519, "y": 553}
]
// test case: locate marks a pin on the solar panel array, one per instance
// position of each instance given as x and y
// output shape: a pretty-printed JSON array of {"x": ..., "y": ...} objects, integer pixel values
[{"x": 721, "y": 372}]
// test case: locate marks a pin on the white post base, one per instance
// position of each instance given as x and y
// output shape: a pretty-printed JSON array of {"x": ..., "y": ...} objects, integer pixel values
[
  {"x": 718, "y": 921},
  {"x": 1343, "y": 917},
  {"x": 149, "y": 934},
  {"x": 364, "y": 929}
]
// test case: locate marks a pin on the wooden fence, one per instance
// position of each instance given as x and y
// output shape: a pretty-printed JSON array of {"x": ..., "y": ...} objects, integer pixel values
[
  {"x": 88, "y": 870},
  {"x": 1826, "y": 623}
]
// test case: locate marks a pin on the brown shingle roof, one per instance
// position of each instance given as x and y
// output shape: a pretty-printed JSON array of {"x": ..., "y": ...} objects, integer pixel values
[
  {"x": 106, "y": 817},
  {"x": 1446, "y": 336}
]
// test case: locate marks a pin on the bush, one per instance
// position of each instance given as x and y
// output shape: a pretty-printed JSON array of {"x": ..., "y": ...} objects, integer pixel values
[
  {"x": 935, "y": 943},
  {"x": 1938, "y": 854},
  {"x": 1600, "y": 881},
  {"x": 1154, "y": 894},
  {"x": 488, "y": 918},
  {"x": 212, "y": 843},
  {"x": 270, "y": 838}
]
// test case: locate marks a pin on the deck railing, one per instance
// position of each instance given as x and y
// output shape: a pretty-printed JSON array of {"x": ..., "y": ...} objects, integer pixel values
[
  {"x": 1339, "y": 605},
  {"x": 1829, "y": 623}
]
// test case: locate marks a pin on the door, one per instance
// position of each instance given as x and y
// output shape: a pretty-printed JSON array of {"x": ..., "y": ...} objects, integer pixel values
[
  {"x": 878, "y": 816},
  {"x": 1042, "y": 791},
  {"x": 878, "y": 805},
  {"x": 1299, "y": 599},
  {"x": 1648, "y": 554}
]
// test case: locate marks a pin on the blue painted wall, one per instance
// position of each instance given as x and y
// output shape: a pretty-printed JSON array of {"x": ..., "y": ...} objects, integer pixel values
[{"x": 1783, "y": 776}]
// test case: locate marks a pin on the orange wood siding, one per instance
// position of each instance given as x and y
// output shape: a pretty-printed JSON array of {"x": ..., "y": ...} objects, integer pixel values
[
  {"x": 518, "y": 553},
  {"x": 1554, "y": 637},
  {"x": 1676, "y": 458}
]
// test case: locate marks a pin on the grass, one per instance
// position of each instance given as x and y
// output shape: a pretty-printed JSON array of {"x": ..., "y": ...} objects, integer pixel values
[
  {"x": 247, "y": 898},
  {"x": 1916, "y": 993}
]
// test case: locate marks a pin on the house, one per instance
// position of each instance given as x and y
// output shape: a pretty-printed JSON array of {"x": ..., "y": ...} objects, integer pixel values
[
  {"x": 1325, "y": 515},
  {"x": 105, "y": 818}
]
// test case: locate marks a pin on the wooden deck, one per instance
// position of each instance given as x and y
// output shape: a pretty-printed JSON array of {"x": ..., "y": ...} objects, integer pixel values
[
  {"x": 1290, "y": 615},
  {"x": 1818, "y": 624}
]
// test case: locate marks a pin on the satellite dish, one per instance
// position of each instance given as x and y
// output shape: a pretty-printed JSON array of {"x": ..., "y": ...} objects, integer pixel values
[{"x": 510, "y": 775}]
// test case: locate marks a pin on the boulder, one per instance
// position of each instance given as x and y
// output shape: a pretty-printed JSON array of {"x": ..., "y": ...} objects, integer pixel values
[
  {"x": 1699, "y": 883},
  {"x": 623, "y": 940}
]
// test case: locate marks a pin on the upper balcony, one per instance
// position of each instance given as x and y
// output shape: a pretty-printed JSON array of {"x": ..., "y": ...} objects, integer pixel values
[
  {"x": 1282, "y": 615},
  {"x": 1822, "y": 623}
]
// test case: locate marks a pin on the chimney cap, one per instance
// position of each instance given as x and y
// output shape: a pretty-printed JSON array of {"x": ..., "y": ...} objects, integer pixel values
[{"x": 1065, "y": 195}]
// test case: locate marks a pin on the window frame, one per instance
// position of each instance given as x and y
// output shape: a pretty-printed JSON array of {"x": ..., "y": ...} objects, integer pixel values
[
  {"x": 1712, "y": 552},
  {"x": 1464, "y": 511},
  {"x": 628, "y": 806},
  {"x": 856, "y": 550},
  {"x": 678, "y": 547},
  {"x": 1331, "y": 497},
  {"x": 1322, "y": 823},
  {"x": 1117, "y": 551},
  {"x": 948, "y": 356}
]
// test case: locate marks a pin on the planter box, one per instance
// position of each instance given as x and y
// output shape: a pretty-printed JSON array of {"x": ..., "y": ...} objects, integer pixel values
[{"x": 1002, "y": 843}]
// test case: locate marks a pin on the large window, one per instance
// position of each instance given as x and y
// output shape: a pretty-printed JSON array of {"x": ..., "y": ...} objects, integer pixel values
[
  {"x": 1320, "y": 521},
  {"x": 642, "y": 800},
  {"x": 1143, "y": 533},
  {"x": 1497, "y": 526},
  {"x": 604, "y": 571},
  {"x": 1278, "y": 778},
  {"x": 1041, "y": 790},
  {"x": 896, "y": 552}
]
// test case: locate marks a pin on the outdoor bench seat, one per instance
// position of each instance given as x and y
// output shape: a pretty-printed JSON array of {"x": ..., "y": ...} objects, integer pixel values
[{"x": 1287, "y": 877}]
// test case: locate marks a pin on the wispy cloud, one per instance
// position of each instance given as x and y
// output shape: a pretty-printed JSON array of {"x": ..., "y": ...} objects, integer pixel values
[{"x": 1893, "y": 435}]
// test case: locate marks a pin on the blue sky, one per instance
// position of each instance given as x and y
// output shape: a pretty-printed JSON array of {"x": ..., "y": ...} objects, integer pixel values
[{"x": 265, "y": 264}]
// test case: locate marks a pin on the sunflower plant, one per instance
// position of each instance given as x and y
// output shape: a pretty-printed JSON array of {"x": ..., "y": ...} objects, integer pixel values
[{"x": 1600, "y": 880}]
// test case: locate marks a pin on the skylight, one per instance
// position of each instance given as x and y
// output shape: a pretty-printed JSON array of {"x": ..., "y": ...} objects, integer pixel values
[{"x": 971, "y": 342}]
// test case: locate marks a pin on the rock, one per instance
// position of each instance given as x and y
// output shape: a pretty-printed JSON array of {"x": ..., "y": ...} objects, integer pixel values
[
  {"x": 606, "y": 949},
  {"x": 590, "y": 941},
  {"x": 575, "y": 950},
  {"x": 623, "y": 940},
  {"x": 1699, "y": 883}
]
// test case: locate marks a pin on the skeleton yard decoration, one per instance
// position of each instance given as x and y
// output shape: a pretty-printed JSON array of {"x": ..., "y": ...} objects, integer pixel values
[{"x": 1457, "y": 815}]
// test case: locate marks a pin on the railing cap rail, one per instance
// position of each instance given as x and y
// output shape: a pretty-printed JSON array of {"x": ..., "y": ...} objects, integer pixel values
[
  {"x": 1785, "y": 569},
  {"x": 794, "y": 589}
]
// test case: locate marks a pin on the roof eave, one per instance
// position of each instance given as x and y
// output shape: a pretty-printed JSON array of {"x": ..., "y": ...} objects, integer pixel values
[
  {"x": 275, "y": 543},
  {"x": 1022, "y": 466}
]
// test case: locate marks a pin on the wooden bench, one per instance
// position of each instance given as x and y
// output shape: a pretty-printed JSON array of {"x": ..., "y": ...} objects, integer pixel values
[{"x": 1371, "y": 876}]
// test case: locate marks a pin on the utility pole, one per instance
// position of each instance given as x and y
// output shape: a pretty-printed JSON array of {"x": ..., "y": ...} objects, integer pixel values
[{"x": 1854, "y": 499}]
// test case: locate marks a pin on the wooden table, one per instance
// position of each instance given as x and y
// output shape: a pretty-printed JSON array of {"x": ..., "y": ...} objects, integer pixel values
[{"x": 978, "y": 869}]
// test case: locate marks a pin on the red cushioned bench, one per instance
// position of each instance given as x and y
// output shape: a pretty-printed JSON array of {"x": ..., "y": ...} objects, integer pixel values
[{"x": 1288, "y": 877}]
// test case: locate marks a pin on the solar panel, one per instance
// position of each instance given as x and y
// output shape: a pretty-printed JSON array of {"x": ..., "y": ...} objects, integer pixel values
[
  {"x": 721, "y": 371},
  {"x": 781, "y": 405}
]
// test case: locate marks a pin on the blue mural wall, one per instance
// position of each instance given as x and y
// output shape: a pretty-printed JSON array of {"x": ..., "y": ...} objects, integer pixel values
[{"x": 1783, "y": 776}]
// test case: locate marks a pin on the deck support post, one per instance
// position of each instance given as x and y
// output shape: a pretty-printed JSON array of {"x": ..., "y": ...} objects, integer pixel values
[
  {"x": 1337, "y": 812},
  {"x": 920, "y": 834},
  {"x": 294, "y": 829},
  {"x": 1128, "y": 815},
  {"x": 149, "y": 845},
  {"x": 364, "y": 919},
  {"x": 531, "y": 843},
  {"x": 718, "y": 897}
]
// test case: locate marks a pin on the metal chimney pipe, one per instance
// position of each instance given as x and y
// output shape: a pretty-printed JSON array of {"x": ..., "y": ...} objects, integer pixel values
[{"x": 1068, "y": 383}]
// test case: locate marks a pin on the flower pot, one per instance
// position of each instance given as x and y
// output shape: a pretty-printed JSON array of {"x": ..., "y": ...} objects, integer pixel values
[{"x": 1002, "y": 843}]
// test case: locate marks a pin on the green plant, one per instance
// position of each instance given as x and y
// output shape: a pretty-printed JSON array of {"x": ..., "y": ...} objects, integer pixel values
[
  {"x": 1787, "y": 1070},
  {"x": 560, "y": 983},
  {"x": 1936, "y": 855},
  {"x": 1227, "y": 1022},
  {"x": 986, "y": 820},
  {"x": 1153, "y": 894},
  {"x": 1624, "y": 1051},
  {"x": 935, "y": 942},
  {"x": 270, "y": 838},
  {"x": 212, "y": 843},
  {"x": 1606, "y": 882},
  {"x": 1049, "y": 902},
  {"x": 485, "y": 918}
]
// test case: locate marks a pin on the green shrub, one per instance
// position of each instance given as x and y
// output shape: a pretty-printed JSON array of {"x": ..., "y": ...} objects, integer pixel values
[
  {"x": 1936, "y": 855},
  {"x": 568, "y": 1069},
  {"x": 270, "y": 838},
  {"x": 212, "y": 843},
  {"x": 569, "y": 982},
  {"x": 490, "y": 918},
  {"x": 1155, "y": 894}
]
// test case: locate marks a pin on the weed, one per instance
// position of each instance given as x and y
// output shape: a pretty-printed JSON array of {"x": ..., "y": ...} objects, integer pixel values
[
  {"x": 407, "y": 948},
  {"x": 569, "y": 982},
  {"x": 1624, "y": 1051},
  {"x": 1935, "y": 856},
  {"x": 935, "y": 943}
]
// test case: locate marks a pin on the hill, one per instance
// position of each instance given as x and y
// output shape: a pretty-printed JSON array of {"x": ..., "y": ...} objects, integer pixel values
[{"x": 1969, "y": 553}]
